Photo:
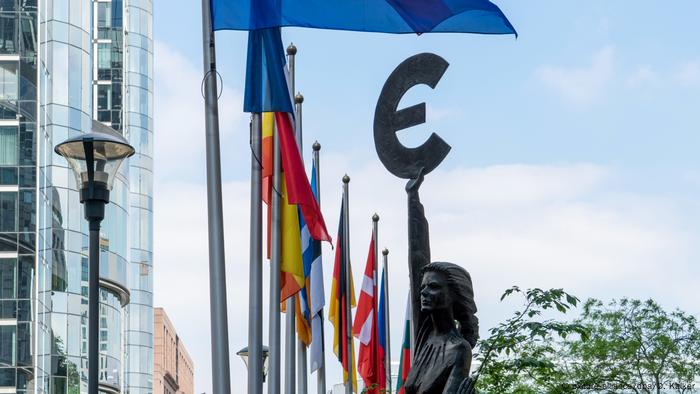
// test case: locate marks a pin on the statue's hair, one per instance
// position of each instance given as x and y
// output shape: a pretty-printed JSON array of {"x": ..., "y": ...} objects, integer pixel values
[{"x": 464, "y": 309}]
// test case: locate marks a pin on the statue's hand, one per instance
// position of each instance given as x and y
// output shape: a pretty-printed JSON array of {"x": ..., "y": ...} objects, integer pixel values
[
  {"x": 414, "y": 183},
  {"x": 468, "y": 385}
]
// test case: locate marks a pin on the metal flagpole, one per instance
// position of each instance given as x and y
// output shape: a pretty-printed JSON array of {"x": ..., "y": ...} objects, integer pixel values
[
  {"x": 348, "y": 283},
  {"x": 255, "y": 318},
  {"x": 387, "y": 331},
  {"x": 321, "y": 371},
  {"x": 302, "y": 379},
  {"x": 275, "y": 347},
  {"x": 290, "y": 315},
  {"x": 375, "y": 275},
  {"x": 217, "y": 270}
]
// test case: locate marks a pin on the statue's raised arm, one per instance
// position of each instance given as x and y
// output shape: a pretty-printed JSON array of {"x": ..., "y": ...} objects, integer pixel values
[{"x": 418, "y": 247}]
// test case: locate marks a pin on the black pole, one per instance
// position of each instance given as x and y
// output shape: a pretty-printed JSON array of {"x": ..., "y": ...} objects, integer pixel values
[
  {"x": 94, "y": 196},
  {"x": 94, "y": 308}
]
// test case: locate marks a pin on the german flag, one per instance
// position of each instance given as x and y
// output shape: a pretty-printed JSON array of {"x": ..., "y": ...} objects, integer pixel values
[{"x": 337, "y": 309}]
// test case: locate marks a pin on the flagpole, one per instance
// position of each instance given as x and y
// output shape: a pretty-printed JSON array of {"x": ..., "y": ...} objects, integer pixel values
[
  {"x": 321, "y": 371},
  {"x": 302, "y": 379},
  {"x": 255, "y": 318},
  {"x": 290, "y": 315},
  {"x": 375, "y": 279},
  {"x": 220, "y": 368},
  {"x": 275, "y": 347},
  {"x": 387, "y": 331},
  {"x": 348, "y": 281}
]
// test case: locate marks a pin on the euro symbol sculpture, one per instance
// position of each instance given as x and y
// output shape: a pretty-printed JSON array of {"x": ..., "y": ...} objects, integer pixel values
[{"x": 406, "y": 163}]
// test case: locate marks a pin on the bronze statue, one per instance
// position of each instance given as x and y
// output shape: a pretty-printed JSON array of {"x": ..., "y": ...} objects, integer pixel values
[
  {"x": 445, "y": 328},
  {"x": 444, "y": 321}
]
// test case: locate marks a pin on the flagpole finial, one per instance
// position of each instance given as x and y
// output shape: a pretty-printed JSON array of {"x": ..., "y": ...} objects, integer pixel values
[
  {"x": 291, "y": 50},
  {"x": 385, "y": 251},
  {"x": 346, "y": 178},
  {"x": 298, "y": 98},
  {"x": 375, "y": 218},
  {"x": 316, "y": 146}
]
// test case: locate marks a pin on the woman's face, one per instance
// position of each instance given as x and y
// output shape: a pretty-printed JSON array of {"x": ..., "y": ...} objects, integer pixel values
[{"x": 434, "y": 293}]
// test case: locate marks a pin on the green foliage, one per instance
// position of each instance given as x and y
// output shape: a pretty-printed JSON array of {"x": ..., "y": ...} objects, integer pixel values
[
  {"x": 624, "y": 346},
  {"x": 637, "y": 346},
  {"x": 520, "y": 355}
]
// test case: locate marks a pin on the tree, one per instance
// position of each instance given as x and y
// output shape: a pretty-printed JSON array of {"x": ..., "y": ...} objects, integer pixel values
[
  {"x": 637, "y": 347},
  {"x": 521, "y": 354}
]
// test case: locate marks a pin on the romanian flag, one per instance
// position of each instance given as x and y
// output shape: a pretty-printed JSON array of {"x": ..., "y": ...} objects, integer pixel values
[
  {"x": 405, "y": 361},
  {"x": 365, "y": 328},
  {"x": 292, "y": 275},
  {"x": 337, "y": 309}
]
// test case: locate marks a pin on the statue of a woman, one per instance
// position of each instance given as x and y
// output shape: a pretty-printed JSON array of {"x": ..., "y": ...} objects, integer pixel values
[{"x": 444, "y": 322}]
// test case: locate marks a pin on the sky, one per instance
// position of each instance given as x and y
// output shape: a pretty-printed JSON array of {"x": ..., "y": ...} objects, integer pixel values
[{"x": 574, "y": 159}]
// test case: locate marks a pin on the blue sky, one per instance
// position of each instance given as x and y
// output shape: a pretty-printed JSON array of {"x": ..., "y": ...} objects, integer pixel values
[{"x": 573, "y": 162}]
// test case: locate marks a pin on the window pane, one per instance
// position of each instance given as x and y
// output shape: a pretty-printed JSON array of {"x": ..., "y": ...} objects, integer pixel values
[
  {"x": 8, "y": 146},
  {"x": 104, "y": 59},
  {"x": 8, "y": 33},
  {"x": 7, "y": 278},
  {"x": 104, "y": 97},
  {"x": 8, "y": 175},
  {"x": 104, "y": 14},
  {"x": 8, "y": 5},
  {"x": 8, "y": 207},
  {"x": 7, "y": 345},
  {"x": 8, "y": 78}
]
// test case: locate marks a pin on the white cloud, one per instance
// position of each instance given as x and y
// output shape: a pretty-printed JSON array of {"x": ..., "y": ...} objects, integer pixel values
[
  {"x": 179, "y": 115},
  {"x": 690, "y": 73},
  {"x": 580, "y": 84},
  {"x": 643, "y": 75}
]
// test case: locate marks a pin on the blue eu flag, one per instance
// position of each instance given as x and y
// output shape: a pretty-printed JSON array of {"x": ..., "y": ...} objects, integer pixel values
[{"x": 383, "y": 16}]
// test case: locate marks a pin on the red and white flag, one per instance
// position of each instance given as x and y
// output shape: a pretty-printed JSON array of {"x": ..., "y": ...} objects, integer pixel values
[{"x": 369, "y": 364}]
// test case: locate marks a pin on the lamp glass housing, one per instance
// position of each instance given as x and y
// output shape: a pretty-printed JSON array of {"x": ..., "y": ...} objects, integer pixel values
[
  {"x": 108, "y": 153},
  {"x": 243, "y": 354}
]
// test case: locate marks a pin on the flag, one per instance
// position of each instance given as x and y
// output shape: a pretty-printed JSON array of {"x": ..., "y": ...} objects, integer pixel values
[
  {"x": 405, "y": 361},
  {"x": 298, "y": 185},
  {"x": 365, "y": 328},
  {"x": 316, "y": 290},
  {"x": 292, "y": 270},
  {"x": 337, "y": 310},
  {"x": 384, "y": 352},
  {"x": 303, "y": 307},
  {"x": 382, "y": 16},
  {"x": 266, "y": 87}
]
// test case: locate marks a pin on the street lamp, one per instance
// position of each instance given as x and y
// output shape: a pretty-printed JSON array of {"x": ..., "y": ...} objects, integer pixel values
[
  {"x": 243, "y": 354},
  {"x": 95, "y": 158}
]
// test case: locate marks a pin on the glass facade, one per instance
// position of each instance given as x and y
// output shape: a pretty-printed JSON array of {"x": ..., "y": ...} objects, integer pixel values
[
  {"x": 63, "y": 65},
  {"x": 138, "y": 121}
]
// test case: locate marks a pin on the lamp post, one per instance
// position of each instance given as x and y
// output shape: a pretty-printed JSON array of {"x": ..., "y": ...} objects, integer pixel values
[
  {"x": 95, "y": 159},
  {"x": 244, "y": 353}
]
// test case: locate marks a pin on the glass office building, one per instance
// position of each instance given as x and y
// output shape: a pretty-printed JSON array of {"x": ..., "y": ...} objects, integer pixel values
[{"x": 69, "y": 67}]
